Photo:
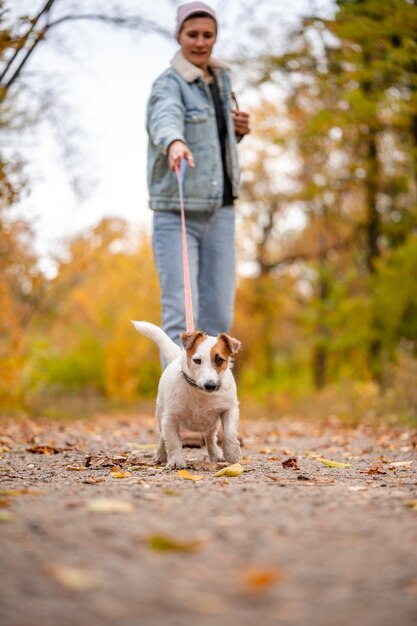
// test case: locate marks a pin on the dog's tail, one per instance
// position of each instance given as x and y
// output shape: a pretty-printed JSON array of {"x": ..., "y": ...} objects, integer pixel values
[{"x": 169, "y": 350}]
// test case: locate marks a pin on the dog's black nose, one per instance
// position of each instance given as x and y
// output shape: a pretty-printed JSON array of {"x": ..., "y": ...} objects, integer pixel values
[{"x": 210, "y": 386}]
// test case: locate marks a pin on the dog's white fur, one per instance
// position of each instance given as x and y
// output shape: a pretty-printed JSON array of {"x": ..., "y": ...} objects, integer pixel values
[{"x": 201, "y": 404}]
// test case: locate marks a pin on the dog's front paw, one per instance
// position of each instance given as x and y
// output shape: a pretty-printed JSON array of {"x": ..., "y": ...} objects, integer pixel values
[
  {"x": 217, "y": 457},
  {"x": 160, "y": 456},
  {"x": 176, "y": 462},
  {"x": 232, "y": 452},
  {"x": 161, "y": 453}
]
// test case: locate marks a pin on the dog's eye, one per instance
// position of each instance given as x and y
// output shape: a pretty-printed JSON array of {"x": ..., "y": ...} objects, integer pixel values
[
  {"x": 218, "y": 359},
  {"x": 197, "y": 361}
]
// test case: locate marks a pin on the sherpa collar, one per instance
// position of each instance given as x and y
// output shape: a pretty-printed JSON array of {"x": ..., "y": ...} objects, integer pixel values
[{"x": 190, "y": 72}]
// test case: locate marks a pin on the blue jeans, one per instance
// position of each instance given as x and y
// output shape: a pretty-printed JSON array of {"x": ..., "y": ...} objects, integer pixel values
[{"x": 211, "y": 253}]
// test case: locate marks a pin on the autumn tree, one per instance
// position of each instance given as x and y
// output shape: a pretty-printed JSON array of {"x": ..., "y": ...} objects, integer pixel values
[
  {"x": 105, "y": 278},
  {"x": 350, "y": 113}
]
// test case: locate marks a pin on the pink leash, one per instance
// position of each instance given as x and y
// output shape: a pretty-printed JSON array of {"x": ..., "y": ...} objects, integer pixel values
[{"x": 188, "y": 300}]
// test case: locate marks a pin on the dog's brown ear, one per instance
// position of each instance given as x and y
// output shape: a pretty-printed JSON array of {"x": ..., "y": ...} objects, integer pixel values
[
  {"x": 189, "y": 339},
  {"x": 232, "y": 344}
]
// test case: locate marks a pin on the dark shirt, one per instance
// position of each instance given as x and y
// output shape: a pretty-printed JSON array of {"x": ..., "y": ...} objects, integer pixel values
[{"x": 222, "y": 131}]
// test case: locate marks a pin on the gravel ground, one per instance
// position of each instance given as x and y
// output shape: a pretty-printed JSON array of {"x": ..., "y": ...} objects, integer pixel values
[{"x": 92, "y": 532}]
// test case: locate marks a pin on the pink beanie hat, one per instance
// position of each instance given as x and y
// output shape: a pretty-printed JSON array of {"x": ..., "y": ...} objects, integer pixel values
[{"x": 186, "y": 10}]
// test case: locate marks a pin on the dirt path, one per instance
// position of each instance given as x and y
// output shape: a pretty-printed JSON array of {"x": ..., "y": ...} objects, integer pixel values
[{"x": 307, "y": 545}]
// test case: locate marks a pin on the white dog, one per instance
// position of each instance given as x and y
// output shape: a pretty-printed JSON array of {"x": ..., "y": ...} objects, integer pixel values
[{"x": 196, "y": 390}]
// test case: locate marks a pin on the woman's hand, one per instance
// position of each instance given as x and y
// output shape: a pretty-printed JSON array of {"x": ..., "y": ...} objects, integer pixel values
[
  {"x": 241, "y": 122},
  {"x": 179, "y": 150}
]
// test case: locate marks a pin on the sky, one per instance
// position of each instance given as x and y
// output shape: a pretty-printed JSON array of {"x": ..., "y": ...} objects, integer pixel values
[{"x": 86, "y": 157}]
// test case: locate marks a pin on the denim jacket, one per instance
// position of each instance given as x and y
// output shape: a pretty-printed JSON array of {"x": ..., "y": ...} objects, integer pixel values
[{"x": 181, "y": 107}]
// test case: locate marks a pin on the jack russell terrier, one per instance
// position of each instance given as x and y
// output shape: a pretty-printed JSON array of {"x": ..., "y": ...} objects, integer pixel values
[{"x": 197, "y": 391}]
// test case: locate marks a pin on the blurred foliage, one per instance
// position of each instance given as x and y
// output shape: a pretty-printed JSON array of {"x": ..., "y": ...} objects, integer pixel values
[
  {"x": 84, "y": 341},
  {"x": 326, "y": 306}
]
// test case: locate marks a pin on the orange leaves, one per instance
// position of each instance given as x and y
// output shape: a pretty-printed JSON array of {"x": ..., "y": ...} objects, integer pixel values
[
  {"x": 291, "y": 463},
  {"x": 44, "y": 449},
  {"x": 375, "y": 468},
  {"x": 185, "y": 475},
  {"x": 258, "y": 580},
  {"x": 116, "y": 472}
]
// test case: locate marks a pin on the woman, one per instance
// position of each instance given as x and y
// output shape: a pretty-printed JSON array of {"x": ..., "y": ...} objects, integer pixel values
[{"x": 191, "y": 116}]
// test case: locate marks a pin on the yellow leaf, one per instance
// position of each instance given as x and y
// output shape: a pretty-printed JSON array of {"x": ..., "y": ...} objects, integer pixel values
[
  {"x": 118, "y": 474},
  {"x": 75, "y": 578},
  {"x": 164, "y": 543},
  {"x": 171, "y": 492},
  {"x": 412, "y": 504},
  {"x": 143, "y": 446},
  {"x": 329, "y": 463},
  {"x": 6, "y": 516},
  {"x": 75, "y": 468},
  {"x": 109, "y": 505},
  {"x": 185, "y": 475},
  {"x": 231, "y": 470}
]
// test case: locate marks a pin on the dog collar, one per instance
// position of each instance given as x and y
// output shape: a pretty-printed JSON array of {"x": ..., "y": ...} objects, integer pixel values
[{"x": 192, "y": 383}]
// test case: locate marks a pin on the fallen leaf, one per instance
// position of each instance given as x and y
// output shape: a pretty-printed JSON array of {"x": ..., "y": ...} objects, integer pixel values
[
  {"x": 75, "y": 578},
  {"x": 118, "y": 474},
  {"x": 164, "y": 543},
  {"x": 375, "y": 468},
  {"x": 231, "y": 470},
  {"x": 97, "y": 461},
  {"x": 91, "y": 480},
  {"x": 6, "y": 516},
  {"x": 171, "y": 492},
  {"x": 109, "y": 505},
  {"x": 291, "y": 463},
  {"x": 272, "y": 477},
  {"x": 412, "y": 504},
  {"x": 25, "y": 491},
  {"x": 330, "y": 463},
  {"x": 258, "y": 580},
  {"x": 185, "y": 475},
  {"x": 44, "y": 449},
  {"x": 75, "y": 468},
  {"x": 400, "y": 464},
  {"x": 143, "y": 446}
]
